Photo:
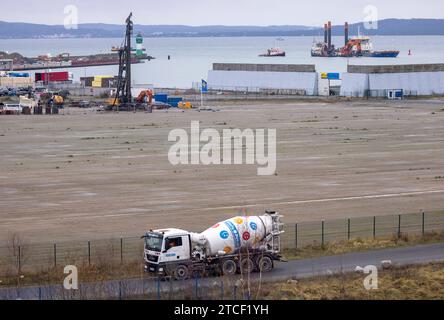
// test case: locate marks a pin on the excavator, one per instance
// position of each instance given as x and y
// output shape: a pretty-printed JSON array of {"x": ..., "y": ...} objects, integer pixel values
[{"x": 145, "y": 96}]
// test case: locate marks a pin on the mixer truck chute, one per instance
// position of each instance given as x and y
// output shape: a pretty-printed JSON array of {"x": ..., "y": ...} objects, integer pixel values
[{"x": 238, "y": 245}]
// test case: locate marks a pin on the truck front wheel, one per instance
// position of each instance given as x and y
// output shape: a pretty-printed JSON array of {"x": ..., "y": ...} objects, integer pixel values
[
  {"x": 229, "y": 268},
  {"x": 181, "y": 272}
]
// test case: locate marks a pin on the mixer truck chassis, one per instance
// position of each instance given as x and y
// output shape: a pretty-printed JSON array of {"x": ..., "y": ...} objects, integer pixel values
[
  {"x": 240, "y": 245},
  {"x": 226, "y": 266}
]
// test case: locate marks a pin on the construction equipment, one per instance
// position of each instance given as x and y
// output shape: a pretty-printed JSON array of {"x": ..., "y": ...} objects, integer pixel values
[
  {"x": 51, "y": 102},
  {"x": 123, "y": 100},
  {"x": 184, "y": 105},
  {"x": 145, "y": 96},
  {"x": 238, "y": 245}
]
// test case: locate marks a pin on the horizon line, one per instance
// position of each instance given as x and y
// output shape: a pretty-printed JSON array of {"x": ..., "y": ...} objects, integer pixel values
[{"x": 218, "y": 25}]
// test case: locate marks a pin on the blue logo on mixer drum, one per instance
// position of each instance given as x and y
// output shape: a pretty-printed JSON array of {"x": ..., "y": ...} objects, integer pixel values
[
  {"x": 224, "y": 234},
  {"x": 235, "y": 233},
  {"x": 253, "y": 226}
]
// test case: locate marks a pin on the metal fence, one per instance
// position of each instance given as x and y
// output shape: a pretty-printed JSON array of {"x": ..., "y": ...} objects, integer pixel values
[
  {"x": 19, "y": 256},
  {"x": 384, "y": 94}
]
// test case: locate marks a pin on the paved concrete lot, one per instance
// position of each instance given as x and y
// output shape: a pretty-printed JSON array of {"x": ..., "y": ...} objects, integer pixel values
[{"x": 88, "y": 175}]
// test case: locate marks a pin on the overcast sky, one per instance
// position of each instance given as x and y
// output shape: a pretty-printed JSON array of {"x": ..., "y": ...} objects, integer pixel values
[{"x": 218, "y": 12}]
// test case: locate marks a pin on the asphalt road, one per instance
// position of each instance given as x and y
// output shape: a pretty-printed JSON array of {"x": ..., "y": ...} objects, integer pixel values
[
  {"x": 348, "y": 262},
  {"x": 296, "y": 269}
]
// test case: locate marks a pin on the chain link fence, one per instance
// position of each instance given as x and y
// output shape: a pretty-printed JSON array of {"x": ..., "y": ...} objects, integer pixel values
[{"x": 19, "y": 256}]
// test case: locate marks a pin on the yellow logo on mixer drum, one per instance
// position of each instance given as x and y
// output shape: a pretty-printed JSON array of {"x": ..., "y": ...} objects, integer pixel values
[
  {"x": 239, "y": 220},
  {"x": 228, "y": 250}
]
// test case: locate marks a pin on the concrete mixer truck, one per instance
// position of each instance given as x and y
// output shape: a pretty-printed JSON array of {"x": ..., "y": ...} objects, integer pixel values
[{"x": 238, "y": 245}]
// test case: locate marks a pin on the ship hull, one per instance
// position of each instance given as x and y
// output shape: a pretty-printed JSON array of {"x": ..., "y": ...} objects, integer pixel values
[
  {"x": 272, "y": 55},
  {"x": 383, "y": 54}
]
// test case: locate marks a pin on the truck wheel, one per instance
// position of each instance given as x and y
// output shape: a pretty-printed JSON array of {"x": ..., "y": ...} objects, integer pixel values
[
  {"x": 181, "y": 273},
  {"x": 265, "y": 264},
  {"x": 247, "y": 265},
  {"x": 229, "y": 268}
]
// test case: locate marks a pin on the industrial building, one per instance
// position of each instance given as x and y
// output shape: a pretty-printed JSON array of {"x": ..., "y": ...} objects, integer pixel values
[
  {"x": 278, "y": 78},
  {"x": 380, "y": 81}
]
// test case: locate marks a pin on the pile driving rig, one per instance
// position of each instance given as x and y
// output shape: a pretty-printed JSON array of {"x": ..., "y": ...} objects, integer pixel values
[{"x": 123, "y": 99}]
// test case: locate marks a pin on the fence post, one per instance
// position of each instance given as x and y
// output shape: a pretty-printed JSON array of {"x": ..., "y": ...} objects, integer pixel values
[
  {"x": 374, "y": 227},
  {"x": 89, "y": 253},
  {"x": 423, "y": 224},
  {"x": 121, "y": 250},
  {"x": 322, "y": 233},
  {"x": 55, "y": 255},
  {"x": 222, "y": 293},
  {"x": 19, "y": 259},
  {"x": 296, "y": 235},
  {"x": 399, "y": 226},
  {"x": 158, "y": 288},
  {"x": 197, "y": 284},
  {"x": 348, "y": 229}
]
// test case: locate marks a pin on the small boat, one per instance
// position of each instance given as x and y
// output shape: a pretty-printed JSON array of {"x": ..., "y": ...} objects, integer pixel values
[{"x": 273, "y": 52}]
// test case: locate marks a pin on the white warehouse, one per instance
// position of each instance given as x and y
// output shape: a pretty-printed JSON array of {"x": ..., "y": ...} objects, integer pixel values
[
  {"x": 419, "y": 79},
  {"x": 283, "y": 78}
]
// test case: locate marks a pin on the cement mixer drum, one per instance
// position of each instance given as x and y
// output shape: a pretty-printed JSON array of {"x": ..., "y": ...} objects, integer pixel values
[{"x": 233, "y": 235}]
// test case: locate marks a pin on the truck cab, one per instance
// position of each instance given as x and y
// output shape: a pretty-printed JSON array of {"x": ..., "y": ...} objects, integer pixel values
[{"x": 166, "y": 247}]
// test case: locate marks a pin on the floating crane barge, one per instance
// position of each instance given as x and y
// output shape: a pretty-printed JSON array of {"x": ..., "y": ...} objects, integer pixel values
[{"x": 361, "y": 46}]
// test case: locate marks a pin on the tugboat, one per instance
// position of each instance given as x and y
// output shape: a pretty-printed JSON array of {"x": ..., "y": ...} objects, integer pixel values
[{"x": 273, "y": 52}]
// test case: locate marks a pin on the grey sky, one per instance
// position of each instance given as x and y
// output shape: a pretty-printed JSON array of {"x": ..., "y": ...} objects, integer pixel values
[{"x": 218, "y": 12}]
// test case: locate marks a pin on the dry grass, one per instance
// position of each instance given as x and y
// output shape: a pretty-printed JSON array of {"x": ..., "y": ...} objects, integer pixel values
[
  {"x": 102, "y": 271},
  {"x": 361, "y": 244},
  {"x": 425, "y": 282}
]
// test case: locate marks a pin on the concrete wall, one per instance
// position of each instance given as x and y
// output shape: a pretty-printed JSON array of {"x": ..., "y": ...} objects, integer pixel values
[
  {"x": 264, "y": 67},
  {"x": 421, "y": 83},
  {"x": 255, "y": 81},
  {"x": 396, "y": 68},
  {"x": 354, "y": 84},
  {"x": 417, "y": 83}
]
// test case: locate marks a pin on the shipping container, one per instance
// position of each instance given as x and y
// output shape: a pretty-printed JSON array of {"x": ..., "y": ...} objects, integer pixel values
[
  {"x": 87, "y": 81},
  {"x": 161, "y": 97},
  {"x": 97, "y": 84},
  {"x": 52, "y": 76},
  {"x": 18, "y": 74},
  {"x": 174, "y": 101}
]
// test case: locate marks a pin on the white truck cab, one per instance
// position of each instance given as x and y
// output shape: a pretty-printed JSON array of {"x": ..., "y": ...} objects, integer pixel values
[{"x": 167, "y": 246}]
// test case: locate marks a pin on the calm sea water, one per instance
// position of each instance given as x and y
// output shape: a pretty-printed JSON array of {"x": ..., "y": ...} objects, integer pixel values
[{"x": 191, "y": 58}]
